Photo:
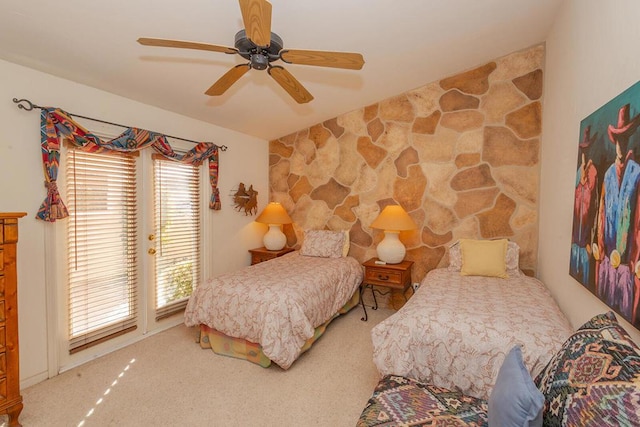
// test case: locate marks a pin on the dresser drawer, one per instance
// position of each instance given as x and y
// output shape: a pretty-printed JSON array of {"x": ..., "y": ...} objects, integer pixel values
[
  {"x": 10, "y": 231},
  {"x": 2, "y": 284},
  {"x": 3, "y": 390},
  {"x": 1, "y": 259}
]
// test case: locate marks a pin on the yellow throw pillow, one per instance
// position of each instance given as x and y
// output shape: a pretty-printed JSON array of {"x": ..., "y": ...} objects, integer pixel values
[{"x": 483, "y": 257}]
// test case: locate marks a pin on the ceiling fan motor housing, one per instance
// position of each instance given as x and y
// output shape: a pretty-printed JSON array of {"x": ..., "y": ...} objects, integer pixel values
[{"x": 259, "y": 56}]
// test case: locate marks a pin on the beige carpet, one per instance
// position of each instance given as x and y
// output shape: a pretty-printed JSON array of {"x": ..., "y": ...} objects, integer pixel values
[{"x": 168, "y": 380}]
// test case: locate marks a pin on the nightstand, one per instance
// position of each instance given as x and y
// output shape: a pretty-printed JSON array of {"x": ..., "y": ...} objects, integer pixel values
[
  {"x": 395, "y": 277},
  {"x": 259, "y": 255}
]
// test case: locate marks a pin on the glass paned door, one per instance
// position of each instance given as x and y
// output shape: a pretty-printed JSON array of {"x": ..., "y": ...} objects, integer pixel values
[{"x": 176, "y": 237}]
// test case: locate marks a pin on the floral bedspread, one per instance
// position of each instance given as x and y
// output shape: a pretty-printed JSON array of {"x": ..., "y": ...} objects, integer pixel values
[
  {"x": 277, "y": 303},
  {"x": 456, "y": 330}
]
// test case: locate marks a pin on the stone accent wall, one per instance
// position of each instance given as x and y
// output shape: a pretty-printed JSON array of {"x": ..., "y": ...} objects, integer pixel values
[{"x": 461, "y": 155}]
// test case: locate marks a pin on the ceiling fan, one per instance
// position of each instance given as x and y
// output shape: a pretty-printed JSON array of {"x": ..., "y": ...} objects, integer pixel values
[{"x": 261, "y": 47}]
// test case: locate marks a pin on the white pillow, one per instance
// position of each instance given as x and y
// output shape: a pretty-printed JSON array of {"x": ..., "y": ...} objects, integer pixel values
[
  {"x": 347, "y": 243},
  {"x": 323, "y": 243},
  {"x": 512, "y": 257}
]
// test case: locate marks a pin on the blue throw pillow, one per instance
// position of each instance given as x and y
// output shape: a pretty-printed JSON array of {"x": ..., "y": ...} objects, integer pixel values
[{"x": 515, "y": 401}]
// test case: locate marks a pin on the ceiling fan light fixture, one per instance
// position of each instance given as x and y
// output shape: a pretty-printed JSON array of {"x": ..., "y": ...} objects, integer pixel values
[{"x": 259, "y": 61}]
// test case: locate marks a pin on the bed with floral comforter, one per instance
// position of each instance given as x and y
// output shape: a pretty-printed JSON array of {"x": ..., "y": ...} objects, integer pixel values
[
  {"x": 456, "y": 330},
  {"x": 277, "y": 305}
]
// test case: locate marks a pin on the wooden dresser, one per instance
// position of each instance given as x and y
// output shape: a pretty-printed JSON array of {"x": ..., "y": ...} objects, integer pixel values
[{"x": 10, "y": 398}]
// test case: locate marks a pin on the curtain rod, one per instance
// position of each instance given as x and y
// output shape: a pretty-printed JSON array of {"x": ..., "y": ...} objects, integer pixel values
[{"x": 30, "y": 106}]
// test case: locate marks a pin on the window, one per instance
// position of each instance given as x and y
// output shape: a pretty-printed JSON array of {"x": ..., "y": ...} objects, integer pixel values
[
  {"x": 131, "y": 248},
  {"x": 177, "y": 234},
  {"x": 101, "y": 242}
]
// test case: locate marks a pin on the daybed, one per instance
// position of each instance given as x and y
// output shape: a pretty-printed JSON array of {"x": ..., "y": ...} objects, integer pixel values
[
  {"x": 592, "y": 381},
  {"x": 275, "y": 310},
  {"x": 456, "y": 329}
]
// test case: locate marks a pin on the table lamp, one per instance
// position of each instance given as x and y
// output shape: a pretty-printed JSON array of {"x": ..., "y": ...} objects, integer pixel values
[
  {"x": 392, "y": 220},
  {"x": 274, "y": 215}
]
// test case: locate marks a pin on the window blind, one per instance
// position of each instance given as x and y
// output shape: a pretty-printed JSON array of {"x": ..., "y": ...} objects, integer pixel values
[
  {"x": 101, "y": 242},
  {"x": 177, "y": 234}
]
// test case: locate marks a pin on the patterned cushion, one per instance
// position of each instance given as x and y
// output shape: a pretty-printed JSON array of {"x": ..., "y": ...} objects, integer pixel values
[
  {"x": 400, "y": 401},
  {"x": 323, "y": 243},
  {"x": 594, "y": 380}
]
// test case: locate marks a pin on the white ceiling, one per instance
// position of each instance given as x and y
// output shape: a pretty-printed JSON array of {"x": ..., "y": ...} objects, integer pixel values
[{"x": 405, "y": 44}]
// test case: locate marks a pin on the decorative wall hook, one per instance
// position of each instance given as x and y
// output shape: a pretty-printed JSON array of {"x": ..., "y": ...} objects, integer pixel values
[{"x": 25, "y": 104}]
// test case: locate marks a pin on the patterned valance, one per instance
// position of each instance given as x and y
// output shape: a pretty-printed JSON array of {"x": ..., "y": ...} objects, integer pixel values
[{"x": 55, "y": 123}]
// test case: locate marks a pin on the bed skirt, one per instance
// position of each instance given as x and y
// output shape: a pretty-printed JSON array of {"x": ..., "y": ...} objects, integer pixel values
[{"x": 242, "y": 349}]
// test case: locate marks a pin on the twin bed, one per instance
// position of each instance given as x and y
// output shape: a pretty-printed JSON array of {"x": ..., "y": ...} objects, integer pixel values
[
  {"x": 456, "y": 330},
  {"x": 275, "y": 310}
]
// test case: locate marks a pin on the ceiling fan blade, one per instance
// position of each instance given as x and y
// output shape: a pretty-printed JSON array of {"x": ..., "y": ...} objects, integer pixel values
[
  {"x": 290, "y": 84},
  {"x": 256, "y": 15},
  {"x": 351, "y": 61},
  {"x": 229, "y": 78},
  {"x": 146, "y": 41}
]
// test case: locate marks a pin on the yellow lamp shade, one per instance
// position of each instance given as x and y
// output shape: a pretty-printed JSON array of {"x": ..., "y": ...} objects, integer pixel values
[
  {"x": 394, "y": 218},
  {"x": 274, "y": 215}
]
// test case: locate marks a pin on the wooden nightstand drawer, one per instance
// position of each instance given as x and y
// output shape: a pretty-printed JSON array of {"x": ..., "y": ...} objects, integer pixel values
[
  {"x": 263, "y": 254},
  {"x": 384, "y": 276},
  {"x": 258, "y": 258}
]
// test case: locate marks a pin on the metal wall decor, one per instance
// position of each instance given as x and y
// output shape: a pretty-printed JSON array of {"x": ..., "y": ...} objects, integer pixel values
[{"x": 246, "y": 199}]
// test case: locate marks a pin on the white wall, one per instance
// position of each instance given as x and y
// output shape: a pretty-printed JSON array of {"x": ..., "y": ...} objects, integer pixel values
[
  {"x": 22, "y": 188},
  {"x": 592, "y": 56}
]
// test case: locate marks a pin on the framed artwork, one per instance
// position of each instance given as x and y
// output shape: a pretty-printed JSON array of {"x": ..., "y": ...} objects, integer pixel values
[{"x": 605, "y": 238}]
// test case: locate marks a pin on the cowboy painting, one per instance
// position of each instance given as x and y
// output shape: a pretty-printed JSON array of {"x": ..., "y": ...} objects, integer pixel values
[
  {"x": 605, "y": 246},
  {"x": 584, "y": 213}
]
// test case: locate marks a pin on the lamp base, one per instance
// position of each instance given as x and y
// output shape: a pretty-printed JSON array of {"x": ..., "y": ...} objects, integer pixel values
[
  {"x": 275, "y": 239},
  {"x": 390, "y": 249}
]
